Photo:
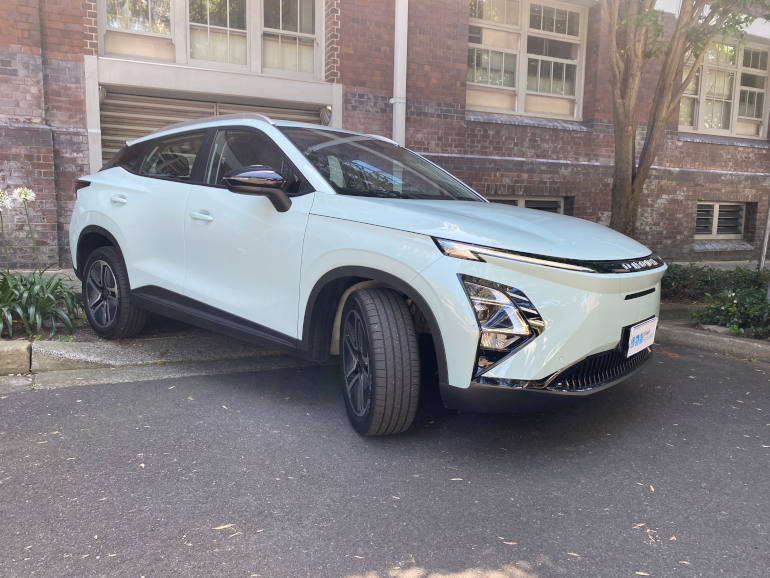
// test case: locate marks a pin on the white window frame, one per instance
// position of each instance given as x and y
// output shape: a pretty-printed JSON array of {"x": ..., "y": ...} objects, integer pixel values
[
  {"x": 715, "y": 220},
  {"x": 523, "y": 30},
  {"x": 519, "y": 201},
  {"x": 218, "y": 63},
  {"x": 318, "y": 15},
  {"x": 738, "y": 69},
  {"x": 180, "y": 36}
]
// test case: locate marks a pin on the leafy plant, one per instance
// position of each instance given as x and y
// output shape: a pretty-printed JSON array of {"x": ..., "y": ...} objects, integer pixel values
[
  {"x": 744, "y": 311},
  {"x": 35, "y": 299},
  {"x": 694, "y": 282}
]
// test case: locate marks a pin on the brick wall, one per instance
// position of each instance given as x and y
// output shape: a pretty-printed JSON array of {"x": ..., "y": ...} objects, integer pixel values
[
  {"x": 43, "y": 143},
  {"x": 500, "y": 154}
]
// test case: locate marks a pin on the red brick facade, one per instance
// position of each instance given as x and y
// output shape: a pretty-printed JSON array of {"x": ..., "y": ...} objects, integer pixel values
[
  {"x": 509, "y": 155},
  {"x": 44, "y": 142}
]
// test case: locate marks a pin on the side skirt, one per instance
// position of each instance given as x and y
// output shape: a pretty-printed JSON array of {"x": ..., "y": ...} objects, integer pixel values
[{"x": 181, "y": 308}]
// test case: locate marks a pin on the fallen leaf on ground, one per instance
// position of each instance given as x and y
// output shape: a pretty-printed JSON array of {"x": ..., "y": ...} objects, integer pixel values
[
  {"x": 573, "y": 554},
  {"x": 457, "y": 479},
  {"x": 639, "y": 573},
  {"x": 639, "y": 525},
  {"x": 223, "y": 527}
]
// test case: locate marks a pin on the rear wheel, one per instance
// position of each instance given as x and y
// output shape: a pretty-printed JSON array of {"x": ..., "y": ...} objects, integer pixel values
[
  {"x": 380, "y": 362},
  {"x": 106, "y": 296}
]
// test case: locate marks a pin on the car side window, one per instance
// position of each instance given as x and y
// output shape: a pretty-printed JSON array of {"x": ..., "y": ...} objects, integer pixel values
[
  {"x": 236, "y": 148},
  {"x": 173, "y": 157}
]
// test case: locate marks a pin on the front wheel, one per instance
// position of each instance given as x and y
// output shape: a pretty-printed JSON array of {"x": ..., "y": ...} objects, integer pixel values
[
  {"x": 380, "y": 362},
  {"x": 106, "y": 296}
]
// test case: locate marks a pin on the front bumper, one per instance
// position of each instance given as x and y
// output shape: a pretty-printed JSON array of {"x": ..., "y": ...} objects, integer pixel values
[{"x": 588, "y": 376}]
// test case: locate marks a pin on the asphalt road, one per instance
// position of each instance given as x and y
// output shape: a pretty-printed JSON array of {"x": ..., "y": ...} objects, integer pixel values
[{"x": 260, "y": 475}]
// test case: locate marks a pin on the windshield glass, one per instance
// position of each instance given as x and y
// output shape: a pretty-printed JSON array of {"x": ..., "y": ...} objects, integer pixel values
[{"x": 368, "y": 167}]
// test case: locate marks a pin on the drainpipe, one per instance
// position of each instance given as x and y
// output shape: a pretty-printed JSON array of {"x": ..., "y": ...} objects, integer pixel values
[{"x": 399, "y": 72}]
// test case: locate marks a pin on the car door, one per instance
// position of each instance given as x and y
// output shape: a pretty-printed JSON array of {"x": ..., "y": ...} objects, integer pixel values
[
  {"x": 243, "y": 256},
  {"x": 150, "y": 211}
]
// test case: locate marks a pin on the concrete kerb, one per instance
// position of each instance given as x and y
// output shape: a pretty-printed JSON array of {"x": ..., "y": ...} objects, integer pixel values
[{"x": 740, "y": 347}]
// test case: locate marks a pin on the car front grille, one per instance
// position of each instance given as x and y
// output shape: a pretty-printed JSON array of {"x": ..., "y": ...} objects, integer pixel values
[{"x": 594, "y": 371}]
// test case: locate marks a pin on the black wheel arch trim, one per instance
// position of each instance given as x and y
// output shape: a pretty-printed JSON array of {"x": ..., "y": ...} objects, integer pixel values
[
  {"x": 101, "y": 231},
  {"x": 309, "y": 341}
]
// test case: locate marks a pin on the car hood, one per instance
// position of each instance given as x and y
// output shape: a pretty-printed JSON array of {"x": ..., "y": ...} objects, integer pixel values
[{"x": 489, "y": 224}]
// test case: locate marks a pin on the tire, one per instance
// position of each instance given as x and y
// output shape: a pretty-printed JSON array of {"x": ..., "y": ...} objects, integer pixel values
[
  {"x": 106, "y": 296},
  {"x": 380, "y": 362}
]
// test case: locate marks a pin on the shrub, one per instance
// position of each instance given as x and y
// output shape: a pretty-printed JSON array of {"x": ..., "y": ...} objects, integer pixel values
[
  {"x": 33, "y": 300},
  {"x": 744, "y": 311},
  {"x": 694, "y": 282}
]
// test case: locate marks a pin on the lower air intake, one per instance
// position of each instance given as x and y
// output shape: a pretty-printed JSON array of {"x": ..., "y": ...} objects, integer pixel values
[{"x": 595, "y": 371}]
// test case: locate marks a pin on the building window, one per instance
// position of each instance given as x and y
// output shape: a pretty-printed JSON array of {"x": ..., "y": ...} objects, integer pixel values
[
  {"x": 550, "y": 205},
  {"x": 288, "y": 38},
  {"x": 218, "y": 31},
  {"x": 719, "y": 221},
  {"x": 143, "y": 16},
  {"x": 727, "y": 95},
  {"x": 507, "y": 37}
]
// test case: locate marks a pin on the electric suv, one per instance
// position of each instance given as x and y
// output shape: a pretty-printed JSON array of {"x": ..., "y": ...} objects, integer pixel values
[{"x": 326, "y": 242}]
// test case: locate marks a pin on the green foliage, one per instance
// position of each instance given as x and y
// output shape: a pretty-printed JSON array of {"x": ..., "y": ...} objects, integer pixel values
[
  {"x": 694, "y": 282},
  {"x": 745, "y": 311},
  {"x": 34, "y": 299}
]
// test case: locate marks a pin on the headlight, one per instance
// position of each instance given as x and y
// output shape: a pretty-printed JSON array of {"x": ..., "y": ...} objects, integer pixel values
[{"x": 506, "y": 317}]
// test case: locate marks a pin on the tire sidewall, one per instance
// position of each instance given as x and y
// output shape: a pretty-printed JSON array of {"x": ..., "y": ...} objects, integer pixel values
[{"x": 362, "y": 424}]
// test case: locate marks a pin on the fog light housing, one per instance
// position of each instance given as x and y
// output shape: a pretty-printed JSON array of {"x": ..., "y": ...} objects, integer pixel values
[{"x": 507, "y": 320}]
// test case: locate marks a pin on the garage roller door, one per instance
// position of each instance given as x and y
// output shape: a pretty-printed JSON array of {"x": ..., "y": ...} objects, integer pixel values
[{"x": 128, "y": 116}]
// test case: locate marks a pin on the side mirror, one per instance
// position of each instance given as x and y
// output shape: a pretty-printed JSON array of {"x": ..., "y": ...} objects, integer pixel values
[{"x": 260, "y": 180}]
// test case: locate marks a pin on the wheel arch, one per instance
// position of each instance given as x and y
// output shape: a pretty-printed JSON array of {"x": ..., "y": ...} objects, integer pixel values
[
  {"x": 90, "y": 238},
  {"x": 327, "y": 298}
]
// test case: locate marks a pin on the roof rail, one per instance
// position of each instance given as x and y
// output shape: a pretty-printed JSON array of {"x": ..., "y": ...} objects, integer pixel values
[{"x": 240, "y": 115}]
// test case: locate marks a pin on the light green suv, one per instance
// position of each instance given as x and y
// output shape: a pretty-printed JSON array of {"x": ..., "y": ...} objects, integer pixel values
[{"x": 332, "y": 243}]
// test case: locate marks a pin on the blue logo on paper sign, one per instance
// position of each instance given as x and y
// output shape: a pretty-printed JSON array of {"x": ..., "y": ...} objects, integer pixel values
[{"x": 637, "y": 340}]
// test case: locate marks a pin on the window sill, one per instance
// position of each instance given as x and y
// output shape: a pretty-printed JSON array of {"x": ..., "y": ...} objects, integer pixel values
[
  {"x": 520, "y": 120},
  {"x": 723, "y": 140},
  {"x": 722, "y": 245}
]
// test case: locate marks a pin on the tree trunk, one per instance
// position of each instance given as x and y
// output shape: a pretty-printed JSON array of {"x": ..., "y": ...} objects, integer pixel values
[{"x": 625, "y": 199}]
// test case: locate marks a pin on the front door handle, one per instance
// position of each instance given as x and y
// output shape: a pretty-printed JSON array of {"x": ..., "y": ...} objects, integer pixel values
[
  {"x": 202, "y": 216},
  {"x": 118, "y": 200}
]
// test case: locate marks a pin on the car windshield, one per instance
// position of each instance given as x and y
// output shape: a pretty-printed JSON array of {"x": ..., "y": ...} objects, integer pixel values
[{"x": 369, "y": 167}]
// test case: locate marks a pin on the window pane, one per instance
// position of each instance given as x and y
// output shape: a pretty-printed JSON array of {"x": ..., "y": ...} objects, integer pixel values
[
  {"x": 289, "y": 52},
  {"x": 544, "y": 79},
  {"x": 688, "y": 109},
  {"x": 536, "y": 16},
  {"x": 198, "y": 11},
  {"x": 218, "y": 13},
  {"x": 693, "y": 86},
  {"x": 570, "y": 76},
  {"x": 509, "y": 74},
  {"x": 532, "y": 74},
  {"x": 234, "y": 149},
  {"x": 716, "y": 114},
  {"x": 272, "y": 13},
  {"x": 753, "y": 58},
  {"x": 289, "y": 15},
  {"x": 719, "y": 84},
  {"x": 512, "y": 12},
  {"x": 238, "y": 48},
  {"x": 558, "y": 78},
  {"x": 471, "y": 75},
  {"x": 474, "y": 34},
  {"x": 722, "y": 54},
  {"x": 496, "y": 68},
  {"x": 552, "y": 48},
  {"x": 173, "y": 158},
  {"x": 199, "y": 43},
  {"x": 482, "y": 66},
  {"x": 306, "y": 55},
  {"x": 238, "y": 14},
  {"x": 752, "y": 80},
  {"x": 548, "y": 19},
  {"x": 271, "y": 51},
  {"x": 704, "y": 219},
  {"x": 160, "y": 13},
  {"x": 307, "y": 16}
]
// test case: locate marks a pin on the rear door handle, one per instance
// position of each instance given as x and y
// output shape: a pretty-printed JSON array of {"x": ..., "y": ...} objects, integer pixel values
[
  {"x": 202, "y": 216},
  {"x": 118, "y": 200}
]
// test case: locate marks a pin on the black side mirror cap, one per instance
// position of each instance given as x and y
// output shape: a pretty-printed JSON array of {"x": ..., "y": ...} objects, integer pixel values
[{"x": 260, "y": 180}]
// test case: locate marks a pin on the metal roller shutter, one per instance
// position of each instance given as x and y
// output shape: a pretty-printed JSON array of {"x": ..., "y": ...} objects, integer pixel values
[{"x": 129, "y": 116}]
